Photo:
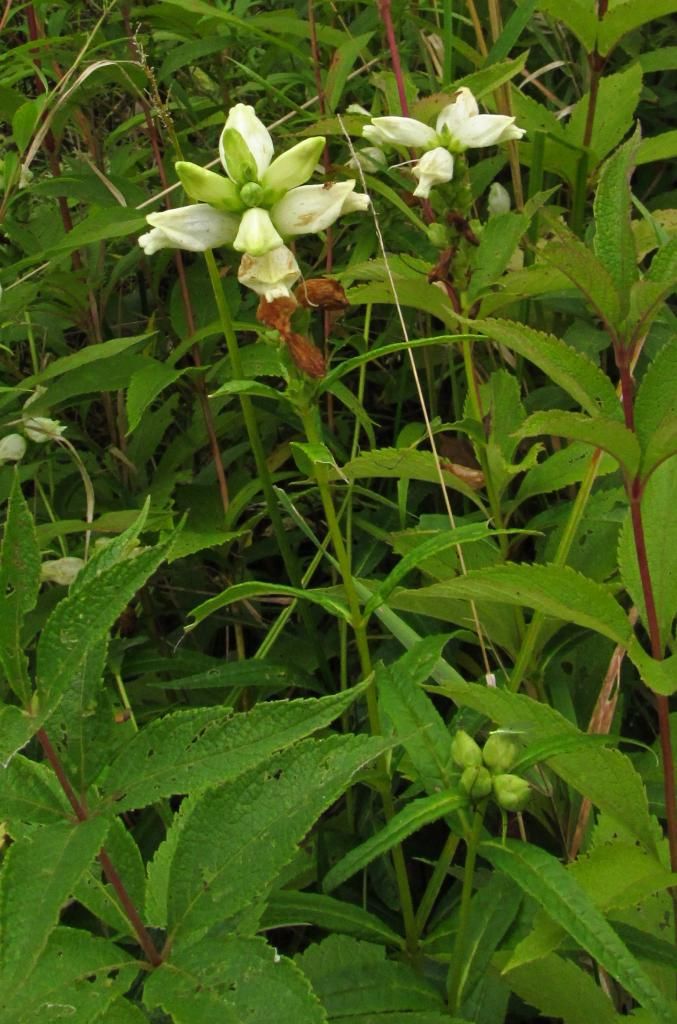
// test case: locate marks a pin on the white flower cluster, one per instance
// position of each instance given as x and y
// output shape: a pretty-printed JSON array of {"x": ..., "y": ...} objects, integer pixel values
[
  {"x": 459, "y": 126},
  {"x": 260, "y": 203}
]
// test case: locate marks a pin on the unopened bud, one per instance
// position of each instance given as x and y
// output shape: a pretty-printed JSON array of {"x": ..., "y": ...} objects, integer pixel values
[
  {"x": 12, "y": 448},
  {"x": 438, "y": 235},
  {"x": 512, "y": 793},
  {"x": 465, "y": 751},
  {"x": 476, "y": 781},
  {"x": 498, "y": 200},
  {"x": 500, "y": 752},
  {"x": 41, "y": 429}
]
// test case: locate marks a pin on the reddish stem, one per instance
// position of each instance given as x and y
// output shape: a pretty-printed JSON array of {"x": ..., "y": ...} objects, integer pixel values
[
  {"x": 81, "y": 813},
  {"x": 386, "y": 14},
  {"x": 662, "y": 704}
]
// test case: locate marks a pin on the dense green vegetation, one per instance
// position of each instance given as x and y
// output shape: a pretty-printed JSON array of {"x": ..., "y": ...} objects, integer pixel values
[{"x": 339, "y": 560}]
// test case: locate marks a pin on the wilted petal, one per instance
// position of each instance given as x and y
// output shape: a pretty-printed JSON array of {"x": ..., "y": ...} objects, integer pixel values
[
  {"x": 295, "y": 166},
  {"x": 12, "y": 448},
  {"x": 399, "y": 131},
  {"x": 434, "y": 168},
  {"x": 313, "y": 208},
  {"x": 487, "y": 130},
  {"x": 195, "y": 228},
  {"x": 61, "y": 570},
  {"x": 243, "y": 119},
  {"x": 272, "y": 275},
  {"x": 257, "y": 234}
]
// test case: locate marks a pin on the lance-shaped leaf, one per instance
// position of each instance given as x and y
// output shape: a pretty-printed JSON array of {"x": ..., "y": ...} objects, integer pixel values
[
  {"x": 560, "y": 988},
  {"x": 19, "y": 585},
  {"x": 409, "y": 820},
  {"x": 588, "y": 275},
  {"x": 656, "y": 408},
  {"x": 199, "y": 747},
  {"x": 234, "y": 840},
  {"x": 614, "y": 242},
  {"x": 545, "y": 880},
  {"x": 285, "y": 909},
  {"x": 244, "y": 591},
  {"x": 600, "y": 432}
]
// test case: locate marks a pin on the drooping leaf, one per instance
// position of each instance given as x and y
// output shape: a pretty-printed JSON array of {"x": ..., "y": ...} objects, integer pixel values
[
  {"x": 589, "y": 275},
  {"x": 407, "y": 821},
  {"x": 286, "y": 908},
  {"x": 234, "y": 840},
  {"x": 29, "y": 792},
  {"x": 245, "y": 591},
  {"x": 199, "y": 747},
  {"x": 599, "y": 432},
  {"x": 19, "y": 585},
  {"x": 560, "y": 988}
]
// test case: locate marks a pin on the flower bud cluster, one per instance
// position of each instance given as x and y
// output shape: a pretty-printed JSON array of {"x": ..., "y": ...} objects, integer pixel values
[{"x": 486, "y": 770}]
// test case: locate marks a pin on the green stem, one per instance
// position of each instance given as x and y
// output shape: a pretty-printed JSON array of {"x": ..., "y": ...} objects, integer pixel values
[
  {"x": 436, "y": 881},
  {"x": 455, "y": 980},
  {"x": 530, "y": 640},
  {"x": 360, "y": 630},
  {"x": 448, "y": 38}
]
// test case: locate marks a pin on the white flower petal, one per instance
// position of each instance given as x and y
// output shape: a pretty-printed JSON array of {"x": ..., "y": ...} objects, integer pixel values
[
  {"x": 41, "y": 429},
  {"x": 61, "y": 570},
  {"x": 311, "y": 208},
  {"x": 243, "y": 118},
  {"x": 355, "y": 202},
  {"x": 272, "y": 275},
  {"x": 257, "y": 234},
  {"x": 498, "y": 200},
  {"x": 12, "y": 448},
  {"x": 487, "y": 130},
  {"x": 399, "y": 131},
  {"x": 434, "y": 168},
  {"x": 454, "y": 114},
  {"x": 195, "y": 228}
]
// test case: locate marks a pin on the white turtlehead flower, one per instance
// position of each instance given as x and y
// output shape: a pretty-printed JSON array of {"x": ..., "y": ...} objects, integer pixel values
[
  {"x": 459, "y": 126},
  {"x": 371, "y": 159},
  {"x": 272, "y": 275},
  {"x": 12, "y": 448},
  {"x": 313, "y": 208},
  {"x": 194, "y": 228},
  {"x": 41, "y": 429},
  {"x": 261, "y": 197},
  {"x": 61, "y": 570},
  {"x": 434, "y": 168},
  {"x": 498, "y": 200}
]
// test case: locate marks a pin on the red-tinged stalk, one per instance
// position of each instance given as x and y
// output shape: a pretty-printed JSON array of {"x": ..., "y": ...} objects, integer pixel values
[
  {"x": 82, "y": 814},
  {"x": 387, "y": 16}
]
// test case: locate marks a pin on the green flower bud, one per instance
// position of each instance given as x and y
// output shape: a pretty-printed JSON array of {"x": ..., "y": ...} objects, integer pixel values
[
  {"x": 500, "y": 752},
  {"x": 476, "y": 781},
  {"x": 251, "y": 194},
  {"x": 207, "y": 187},
  {"x": 238, "y": 158},
  {"x": 512, "y": 793},
  {"x": 438, "y": 235},
  {"x": 465, "y": 751}
]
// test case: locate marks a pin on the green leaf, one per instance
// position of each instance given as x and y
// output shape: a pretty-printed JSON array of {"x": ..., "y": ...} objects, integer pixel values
[
  {"x": 79, "y": 974},
  {"x": 232, "y": 980},
  {"x": 261, "y": 673},
  {"x": 599, "y": 432},
  {"x": 564, "y": 467},
  {"x": 624, "y": 17},
  {"x": 342, "y": 62},
  {"x": 544, "y": 879},
  {"x": 353, "y": 979},
  {"x": 346, "y": 366},
  {"x": 589, "y": 275},
  {"x": 19, "y": 586},
  {"x": 418, "y": 725},
  {"x": 661, "y": 447},
  {"x": 39, "y": 873},
  {"x": 199, "y": 747},
  {"x": 552, "y": 590},
  {"x": 578, "y": 16},
  {"x": 617, "y": 100},
  {"x": 288, "y": 909},
  {"x": 308, "y": 456},
  {"x": 97, "y": 894},
  {"x": 85, "y": 357},
  {"x": 614, "y": 241},
  {"x": 659, "y": 147},
  {"x": 82, "y": 619},
  {"x": 145, "y": 385},
  {"x": 656, "y": 399},
  {"x": 561, "y": 989},
  {"x": 234, "y": 840},
  {"x": 427, "y": 548},
  {"x": 660, "y": 532},
  {"x": 29, "y": 792},
  {"x": 407, "y": 821},
  {"x": 244, "y": 591},
  {"x": 16, "y": 729},
  {"x": 406, "y": 464},
  {"x": 570, "y": 370},
  {"x": 25, "y": 121},
  {"x": 500, "y": 237}
]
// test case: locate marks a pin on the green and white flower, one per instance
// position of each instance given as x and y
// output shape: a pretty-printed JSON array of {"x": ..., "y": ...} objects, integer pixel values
[
  {"x": 459, "y": 126},
  {"x": 260, "y": 203},
  {"x": 272, "y": 276}
]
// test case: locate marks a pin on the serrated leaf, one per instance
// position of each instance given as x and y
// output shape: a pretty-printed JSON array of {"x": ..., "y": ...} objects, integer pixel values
[
  {"x": 617, "y": 99},
  {"x": 560, "y": 988},
  {"x": 407, "y": 464},
  {"x": 19, "y": 586},
  {"x": 30, "y": 792},
  {"x": 235, "y": 840},
  {"x": 562, "y": 468},
  {"x": 82, "y": 619},
  {"x": 579, "y": 17},
  {"x": 407, "y": 821},
  {"x": 354, "y": 979},
  {"x": 570, "y": 370},
  {"x": 552, "y": 590},
  {"x": 614, "y": 241},
  {"x": 39, "y": 873},
  {"x": 599, "y": 432},
  {"x": 199, "y": 747},
  {"x": 97, "y": 894},
  {"x": 588, "y": 274},
  {"x": 544, "y": 879},
  {"x": 657, "y": 396},
  {"x": 661, "y": 447},
  {"x": 498, "y": 242},
  {"x": 145, "y": 385},
  {"x": 624, "y": 17},
  {"x": 287, "y": 909},
  {"x": 245, "y": 591},
  {"x": 233, "y": 980}
]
